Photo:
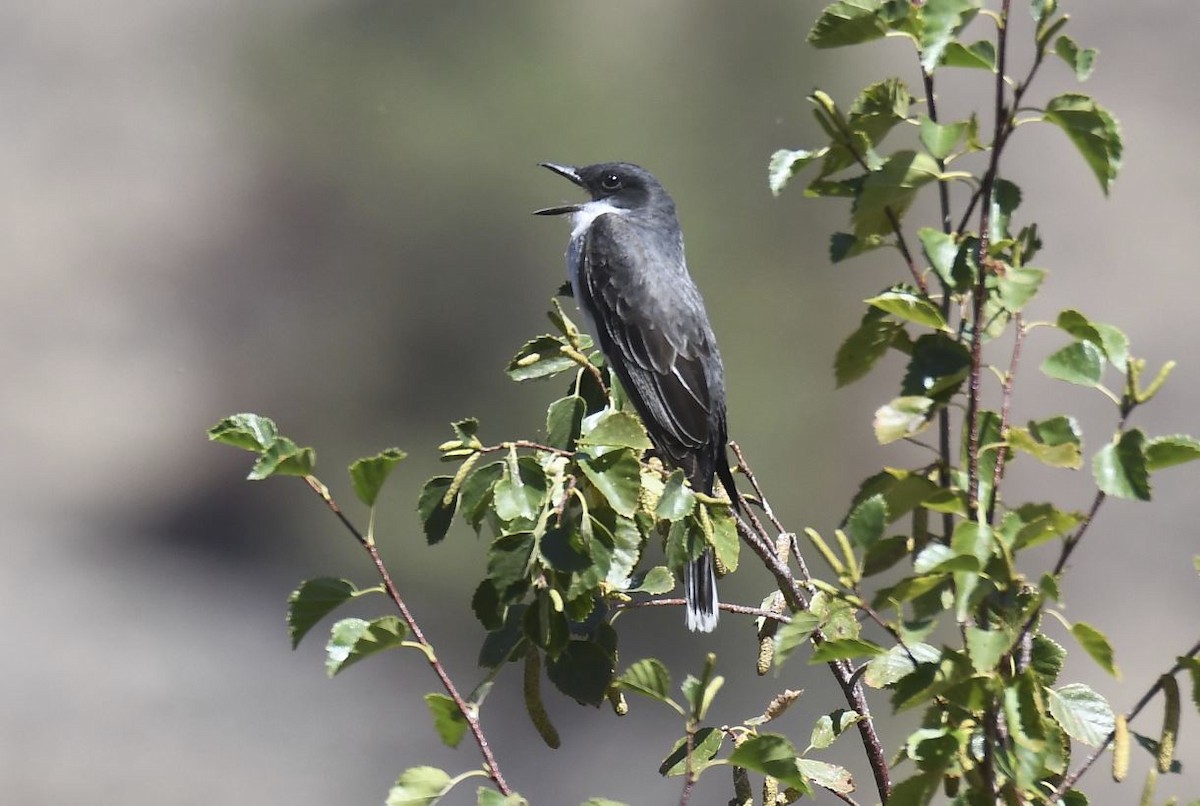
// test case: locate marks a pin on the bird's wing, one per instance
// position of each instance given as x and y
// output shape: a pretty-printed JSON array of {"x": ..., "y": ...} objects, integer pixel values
[{"x": 662, "y": 354}]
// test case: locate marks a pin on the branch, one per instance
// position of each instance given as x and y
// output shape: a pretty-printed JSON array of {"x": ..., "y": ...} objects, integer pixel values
[
  {"x": 469, "y": 714},
  {"x": 1005, "y": 410},
  {"x": 1074, "y": 777}
]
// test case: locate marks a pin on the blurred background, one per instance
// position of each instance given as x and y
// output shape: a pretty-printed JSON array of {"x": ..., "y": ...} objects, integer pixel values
[{"x": 319, "y": 211}]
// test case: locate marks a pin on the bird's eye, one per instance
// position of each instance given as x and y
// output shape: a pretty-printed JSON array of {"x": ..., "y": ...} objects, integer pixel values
[{"x": 611, "y": 182}]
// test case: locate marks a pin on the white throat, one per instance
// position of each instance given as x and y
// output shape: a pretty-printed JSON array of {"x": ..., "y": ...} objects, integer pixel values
[{"x": 582, "y": 218}]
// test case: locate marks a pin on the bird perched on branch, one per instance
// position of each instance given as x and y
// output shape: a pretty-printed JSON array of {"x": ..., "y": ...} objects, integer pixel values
[{"x": 630, "y": 280}]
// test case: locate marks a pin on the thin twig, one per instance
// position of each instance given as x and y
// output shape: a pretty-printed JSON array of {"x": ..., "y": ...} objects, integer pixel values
[
  {"x": 468, "y": 713},
  {"x": 1005, "y": 410},
  {"x": 1074, "y": 777},
  {"x": 742, "y": 610}
]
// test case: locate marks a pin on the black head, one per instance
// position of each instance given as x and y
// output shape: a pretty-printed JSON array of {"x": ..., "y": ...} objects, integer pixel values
[{"x": 621, "y": 184}]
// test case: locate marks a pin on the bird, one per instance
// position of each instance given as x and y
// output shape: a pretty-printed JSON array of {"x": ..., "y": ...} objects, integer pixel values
[{"x": 627, "y": 271}]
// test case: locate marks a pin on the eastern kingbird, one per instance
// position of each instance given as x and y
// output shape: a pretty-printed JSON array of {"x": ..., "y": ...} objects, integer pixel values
[{"x": 630, "y": 279}]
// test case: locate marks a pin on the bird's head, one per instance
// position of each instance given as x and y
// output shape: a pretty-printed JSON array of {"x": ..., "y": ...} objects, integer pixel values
[{"x": 617, "y": 184}]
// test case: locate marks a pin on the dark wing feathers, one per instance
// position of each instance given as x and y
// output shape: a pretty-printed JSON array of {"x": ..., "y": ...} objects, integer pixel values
[{"x": 663, "y": 360}]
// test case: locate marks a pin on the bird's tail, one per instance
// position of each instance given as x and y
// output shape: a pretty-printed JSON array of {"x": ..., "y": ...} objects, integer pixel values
[{"x": 700, "y": 588}]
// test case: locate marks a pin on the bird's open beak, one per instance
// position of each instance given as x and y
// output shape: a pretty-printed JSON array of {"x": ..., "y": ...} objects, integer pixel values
[{"x": 567, "y": 172}]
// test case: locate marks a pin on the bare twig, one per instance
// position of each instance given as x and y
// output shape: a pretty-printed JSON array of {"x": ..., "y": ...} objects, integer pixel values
[
  {"x": 468, "y": 713},
  {"x": 1005, "y": 410}
]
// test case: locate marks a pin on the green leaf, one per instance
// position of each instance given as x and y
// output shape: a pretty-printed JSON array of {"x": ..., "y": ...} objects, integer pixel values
[
  {"x": 785, "y": 164},
  {"x": 866, "y": 523},
  {"x": 865, "y": 346},
  {"x": 419, "y": 786},
  {"x": 878, "y": 109},
  {"x": 1065, "y": 454},
  {"x": 847, "y": 22},
  {"x": 888, "y": 668},
  {"x": 986, "y": 647},
  {"x": 705, "y": 746},
  {"x": 582, "y": 671},
  {"x": 940, "y": 250},
  {"x": 648, "y": 677},
  {"x": 938, "y": 367},
  {"x": 508, "y": 564},
  {"x": 285, "y": 458},
  {"x": 1164, "y": 452},
  {"x": 940, "y": 140},
  {"x": 831, "y": 726},
  {"x": 658, "y": 579},
  {"x": 250, "y": 432},
  {"x": 1046, "y": 659},
  {"x": 793, "y": 634},
  {"x": 352, "y": 639},
  {"x": 845, "y": 649},
  {"x": 618, "y": 429},
  {"x": 1082, "y": 713},
  {"x": 843, "y": 245},
  {"x": 521, "y": 490},
  {"x": 1080, "y": 363},
  {"x": 447, "y": 719},
  {"x": 1096, "y": 644},
  {"x": 725, "y": 542},
  {"x": 617, "y": 475},
  {"x": 435, "y": 514},
  {"x": 1111, "y": 340},
  {"x": 314, "y": 600},
  {"x": 979, "y": 55},
  {"x": 1042, "y": 522},
  {"x": 824, "y": 774},
  {"x": 1017, "y": 286},
  {"x": 677, "y": 500},
  {"x": 490, "y": 797},
  {"x": 1120, "y": 467},
  {"x": 902, "y": 417},
  {"x": 909, "y": 305},
  {"x": 944, "y": 20},
  {"x": 1093, "y": 130},
  {"x": 563, "y": 422},
  {"x": 476, "y": 493},
  {"x": 773, "y": 755},
  {"x": 542, "y": 357},
  {"x": 1081, "y": 60},
  {"x": 367, "y": 475},
  {"x": 890, "y": 190}
]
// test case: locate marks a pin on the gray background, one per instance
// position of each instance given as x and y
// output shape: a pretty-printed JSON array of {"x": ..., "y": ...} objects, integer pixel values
[{"x": 319, "y": 211}]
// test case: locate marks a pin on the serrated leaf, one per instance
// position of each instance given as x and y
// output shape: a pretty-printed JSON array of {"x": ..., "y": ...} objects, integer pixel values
[
  {"x": 937, "y": 368},
  {"x": 902, "y": 417},
  {"x": 895, "y": 664},
  {"x": 447, "y": 719},
  {"x": 791, "y": 635},
  {"x": 564, "y": 419},
  {"x": 285, "y": 458},
  {"x": 619, "y": 429},
  {"x": 1066, "y": 455},
  {"x": 705, "y": 745},
  {"x": 865, "y": 346},
  {"x": 878, "y": 109},
  {"x": 368, "y": 475},
  {"x": 866, "y": 523},
  {"x": 1119, "y": 468},
  {"x": 847, "y": 22},
  {"x": 521, "y": 490},
  {"x": 1017, "y": 286},
  {"x": 843, "y": 245},
  {"x": 490, "y": 797},
  {"x": 943, "y": 19},
  {"x": 314, "y": 600},
  {"x": 658, "y": 579},
  {"x": 476, "y": 493},
  {"x": 979, "y": 55},
  {"x": 824, "y": 774},
  {"x": 985, "y": 648},
  {"x": 891, "y": 190},
  {"x": 419, "y": 786},
  {"x": 1082, "y": 713},
  {"x": 845, "y": 649},
  {"x": 1081, "y": 60},
  {"x": 648, "y": 677},
  {"x": 1164, "y": 452},
  {"x": 786, "y": 163},
  {"x": 940, "y": 250},
  {"x": 1080, "y": 363},
  {"x": 940, "y": 140},
  {"x": 542, "y": 357},
  {"x": 352, "y": 639},
  {"x": 1046, "y": 658},
  {"x": 909, "y": 305},
  {"x": 772, "y": 755},
  {"x": 582, "y": 671},
  {"x": 617, "y": 475},
  {"x": 508, "y": 564},
  {"x": 1093, "y": 130},
  {"x": 436, "y": 516},
  {"x": 725, "y": 542},
  {"x": 677, "y": 500},
  {"x": 1096, "y": 644},
  {"x": 250, "y": 432},
  {"x": 830, "y": 726}
]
